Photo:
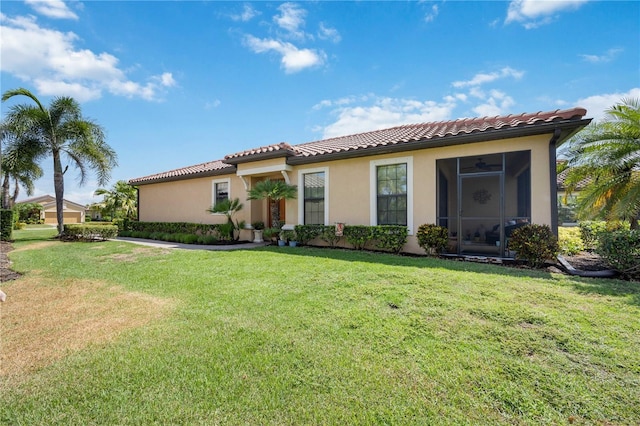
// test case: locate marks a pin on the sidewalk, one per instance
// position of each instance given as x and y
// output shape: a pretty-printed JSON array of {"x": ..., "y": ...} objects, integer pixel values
[{"x": 167, "y": 244}]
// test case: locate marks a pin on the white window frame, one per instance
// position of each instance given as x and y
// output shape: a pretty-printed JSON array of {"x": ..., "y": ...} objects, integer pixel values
[
  {"x": 373, "y": 185},
  {"x": 301, "y": 174},
  {"x": 213, "y": 190}
]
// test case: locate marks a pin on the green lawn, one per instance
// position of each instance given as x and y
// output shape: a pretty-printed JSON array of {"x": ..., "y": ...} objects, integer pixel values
[{"x": 318, "y": 336}]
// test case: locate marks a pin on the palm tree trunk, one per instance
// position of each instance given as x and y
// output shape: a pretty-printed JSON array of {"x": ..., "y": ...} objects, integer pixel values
[
  {"x": 5, "y": 192},
  {"x": 16, "y": 192},
  {"x": 58, "y": 183},
  {"x": 275, "y": 213}
]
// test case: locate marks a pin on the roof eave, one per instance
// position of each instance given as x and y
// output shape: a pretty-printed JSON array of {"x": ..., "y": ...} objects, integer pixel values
[
  {"x": 258, "y": 156},
  {"x": 567, "y": 127},
  {"x": 217, "y": 172}
]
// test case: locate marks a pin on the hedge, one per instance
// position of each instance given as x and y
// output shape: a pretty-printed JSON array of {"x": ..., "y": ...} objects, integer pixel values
[
  {"x": 89, "y": 232},
  {"x": 6, "y": 224},
  {"x": 173, "y": 227},
  {"x": 386, "y": 237}
]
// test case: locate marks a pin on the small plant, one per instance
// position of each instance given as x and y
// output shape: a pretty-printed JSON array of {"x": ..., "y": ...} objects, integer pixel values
[
  {"x": 258, "y": 226},
  {"x": 534, "y": 243},
  {"x": 229, "y": 208},
  {"x": 288, "y": 235},
  {"x": 271, "y": 234},
  {"x": 433, "y": 238},
  {"x": 570, "y": 241}
]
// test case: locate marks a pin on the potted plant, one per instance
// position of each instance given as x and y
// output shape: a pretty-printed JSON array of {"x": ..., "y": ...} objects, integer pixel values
[
  {"x": 258, "y": 228},
  {"x": 289, "y": 235},
  {"x": 270, "y": 234}
]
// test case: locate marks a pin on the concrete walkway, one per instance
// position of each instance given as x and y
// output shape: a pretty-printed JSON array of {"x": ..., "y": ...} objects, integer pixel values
[{"x": 170, "y": 245}]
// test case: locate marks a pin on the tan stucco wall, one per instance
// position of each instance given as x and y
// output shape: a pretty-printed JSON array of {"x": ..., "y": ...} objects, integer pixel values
[
  {"x": 69, "y": 215},
  {"x": 349, "y": 187}
]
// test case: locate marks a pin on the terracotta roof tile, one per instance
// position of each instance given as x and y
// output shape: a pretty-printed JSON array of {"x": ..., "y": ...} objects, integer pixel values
[
  {"x": 198, "y": 169},
  {"x": 400, "y": 135}
]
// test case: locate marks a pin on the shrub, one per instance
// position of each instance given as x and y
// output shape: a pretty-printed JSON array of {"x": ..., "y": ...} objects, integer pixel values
[
  {"x": 270, "y": 234},
  {"x": 6, "y": 224},
  {"x": 358, "y": 235},
  {"x": 174, "y": 227},
  {"x": 207, "y": 239},
  {"x": 535, "y": 244},
  {"x": 288, "y": 235},
  {"x": 589, "y": 231},
  {"x": 433, "y": 238},
  {"x": 621, "y": 250},
  {"x": 570, "y": 240},
  {"x": 307, "y": 233},
  {"x": 89, "y": 232},
  {"x": 329, "y": 235},
  {"x": 390, "y": 237}
]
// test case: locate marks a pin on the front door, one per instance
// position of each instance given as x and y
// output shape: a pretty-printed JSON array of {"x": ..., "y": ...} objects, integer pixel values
[{"x": 480, "y": 201}]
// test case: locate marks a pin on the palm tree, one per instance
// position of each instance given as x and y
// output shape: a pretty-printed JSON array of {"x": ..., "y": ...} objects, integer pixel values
[
  {"x": 61, "y": 131},
  {"x": 274, "y": 191},
  {"x": 16, "y": 165},
  {"x": 229, "y": 208},
  {"x": 608, "y": 155},
  {"x": 121, "y": 200}
]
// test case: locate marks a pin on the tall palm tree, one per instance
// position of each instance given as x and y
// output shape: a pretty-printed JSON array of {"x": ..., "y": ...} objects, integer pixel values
[
  {"x": 60, "y": 131},
  {"x": 16, "y": 165},
  {"x": 608, "y": 154},
  {"x": 121, "y": 200},
  {"x": 274, "y": 191}
]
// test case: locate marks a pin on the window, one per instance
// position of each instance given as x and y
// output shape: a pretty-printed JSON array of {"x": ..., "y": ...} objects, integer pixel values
[
  {"x": 220, "y": 190},
  {"x": 313, "y": 198},
  {"x": 392, "y": 192}
]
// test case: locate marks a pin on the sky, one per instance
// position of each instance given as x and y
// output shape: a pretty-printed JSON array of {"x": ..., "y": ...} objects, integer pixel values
[{"x": 178, "y": 83}]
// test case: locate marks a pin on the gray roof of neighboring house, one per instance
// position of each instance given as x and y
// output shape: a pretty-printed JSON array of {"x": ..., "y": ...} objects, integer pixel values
[{"x": 399, "y": 138}]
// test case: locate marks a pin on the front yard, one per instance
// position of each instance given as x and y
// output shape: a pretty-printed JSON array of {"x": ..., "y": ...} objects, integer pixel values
[{"x": 116, "y": 333}]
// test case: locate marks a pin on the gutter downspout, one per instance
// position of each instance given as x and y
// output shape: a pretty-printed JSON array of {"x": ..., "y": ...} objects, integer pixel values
[{"x": 553, "y": 181}]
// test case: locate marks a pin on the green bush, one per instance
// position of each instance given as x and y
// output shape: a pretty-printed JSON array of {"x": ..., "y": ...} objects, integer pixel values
[
  {"x": 534, "y": 243},
  {"x": 358, "y": 235},
  {"x": 570, "y": 240},
  {"x": 621, "y": 250},
  {"x": 6, "y": 224},
  {"x": 390, "y": 237},
  {"x": 329, "y": 236},
  {"x": 89, "y": 232},
  {"x": 175, "y": 227},
  {"x": 433, "y": 238},
  {"x": 306, "y": 233},
  {"x": 207, "y": 239},
  {"x": 589, "y": 231}
]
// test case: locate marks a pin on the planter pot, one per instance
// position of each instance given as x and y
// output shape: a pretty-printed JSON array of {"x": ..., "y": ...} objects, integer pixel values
[
  {"x": 282, "y": 243},
  {"x": 293, "y": 243},
  {"x": 257, "y": 236}
]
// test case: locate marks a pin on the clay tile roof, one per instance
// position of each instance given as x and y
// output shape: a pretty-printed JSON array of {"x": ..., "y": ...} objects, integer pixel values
[
  {"x": 275, "y": 150},
  {"x": 414, "y": 132},
  {"x": 205, "y": 169}
]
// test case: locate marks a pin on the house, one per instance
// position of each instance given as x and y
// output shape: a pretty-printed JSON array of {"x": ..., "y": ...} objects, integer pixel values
[
  {"x": 72, "y": 212},
  {"x": 567, "y": 201},
  {"x": 479, "y": 177}
]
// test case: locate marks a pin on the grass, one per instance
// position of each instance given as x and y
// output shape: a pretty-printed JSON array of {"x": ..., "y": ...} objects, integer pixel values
[{"x": 310, "y": 336}]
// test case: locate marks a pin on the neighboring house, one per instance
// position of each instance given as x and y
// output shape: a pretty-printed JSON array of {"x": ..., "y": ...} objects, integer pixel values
[
  {"x": 72, "y": 212},
  {"x": 567, "y": 202},
  {"x": 94, "y": 211},
  {"x": 478, "y": 177}
]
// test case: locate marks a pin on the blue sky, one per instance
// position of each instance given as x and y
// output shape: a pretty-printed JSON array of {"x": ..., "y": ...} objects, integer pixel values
[{"x": 177, "y": 83}]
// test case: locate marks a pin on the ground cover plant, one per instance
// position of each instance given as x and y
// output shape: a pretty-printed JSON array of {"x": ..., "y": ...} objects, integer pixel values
[{"x": 308, "y": 336}]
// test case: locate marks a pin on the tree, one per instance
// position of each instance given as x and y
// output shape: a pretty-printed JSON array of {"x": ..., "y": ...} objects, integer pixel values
[
  {"x": 60, "y": 131},
  {"x": 274, "y": 191},
  {"x": 120, "y": 201},
  {"x": 16, "y": 165},
  {"x": 607, "y": 154},
  {"x": 229, "y": 208}
]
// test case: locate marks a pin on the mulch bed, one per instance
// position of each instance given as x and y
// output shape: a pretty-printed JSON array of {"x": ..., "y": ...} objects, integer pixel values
[
  {"x": 6, "y": 274},
  {"x": 587, "y": 261}
]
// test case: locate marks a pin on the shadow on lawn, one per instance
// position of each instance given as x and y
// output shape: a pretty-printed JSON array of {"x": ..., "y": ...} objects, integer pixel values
[{"x": 602, "y": 286}]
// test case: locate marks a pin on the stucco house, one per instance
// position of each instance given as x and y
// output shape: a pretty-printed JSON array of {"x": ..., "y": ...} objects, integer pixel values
[
  {"x": 72, "y": 212},
  {"x": 479, "y": 177}
]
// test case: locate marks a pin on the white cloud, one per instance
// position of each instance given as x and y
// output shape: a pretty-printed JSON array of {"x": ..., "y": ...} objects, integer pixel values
[
  {"x": 293, "y": 59},
  {"x": 498, "y": 103},
  {"x": 483, "y": 78},
  {"x": 429, "y": 17},
  {"x": 607, "y": 57},
  {"x": 534, "y": 13},
  {"x": 328, "y": 33},
  {"x": 247, "y": 14},
  {"x": 212, "y": 104},
  {"x": 596, "y": 105},
  {"x": 50, "y": 60},
  {"x": 291, "y": 18},
  {"x": 384, "y": 113},
  {"x": 52, "y": 8}
]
